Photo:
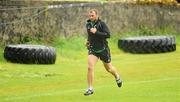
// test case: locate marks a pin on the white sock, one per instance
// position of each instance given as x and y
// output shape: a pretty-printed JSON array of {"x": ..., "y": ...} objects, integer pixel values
[
  {"x": 117, "y": 77},
  {"x": 90, "y": 88}
]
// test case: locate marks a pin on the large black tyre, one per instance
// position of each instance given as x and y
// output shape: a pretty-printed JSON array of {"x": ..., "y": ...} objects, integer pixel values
[
  {"x": 30, "y": 54},
  {"x": 148, "y": 44}
]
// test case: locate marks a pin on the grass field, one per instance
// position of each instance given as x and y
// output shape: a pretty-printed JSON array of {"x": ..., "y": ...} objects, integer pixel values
[{"x": 146, "y": 77}]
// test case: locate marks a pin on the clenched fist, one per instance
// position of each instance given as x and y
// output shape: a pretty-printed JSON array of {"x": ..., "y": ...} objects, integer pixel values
[{"x": 93, "y": 30}]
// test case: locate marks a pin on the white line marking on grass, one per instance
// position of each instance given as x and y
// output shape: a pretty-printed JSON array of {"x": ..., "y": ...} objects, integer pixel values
[
  {"x": 156, "y": 80},
  {"x": 76, "y": 90},
  {"x": 41, "y": 94}
]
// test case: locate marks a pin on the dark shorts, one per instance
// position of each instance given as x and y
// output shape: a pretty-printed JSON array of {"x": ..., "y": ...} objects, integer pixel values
[{"x": 105, "y": 55}]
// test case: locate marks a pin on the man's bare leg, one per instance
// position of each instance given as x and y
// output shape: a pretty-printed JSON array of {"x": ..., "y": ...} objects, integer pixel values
[
  {"x": 90, "y": 75},
  {"x": 111, "y": 69}
]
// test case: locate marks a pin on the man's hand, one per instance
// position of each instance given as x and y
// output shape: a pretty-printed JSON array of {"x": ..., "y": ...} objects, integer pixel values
[{"x": 93, "y": 30}]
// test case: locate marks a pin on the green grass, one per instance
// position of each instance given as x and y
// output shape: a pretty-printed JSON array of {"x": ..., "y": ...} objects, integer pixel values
[{"x": 147, "y": 77}]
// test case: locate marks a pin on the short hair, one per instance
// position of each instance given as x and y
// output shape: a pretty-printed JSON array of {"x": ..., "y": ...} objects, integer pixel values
[{"x": 93, "y": 10}]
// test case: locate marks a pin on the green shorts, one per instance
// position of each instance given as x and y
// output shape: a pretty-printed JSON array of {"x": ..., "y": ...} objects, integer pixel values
[{"x": 105, "y": 55}]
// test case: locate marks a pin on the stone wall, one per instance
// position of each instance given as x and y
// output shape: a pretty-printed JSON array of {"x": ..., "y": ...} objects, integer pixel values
[{"x": 46, "y": 22}]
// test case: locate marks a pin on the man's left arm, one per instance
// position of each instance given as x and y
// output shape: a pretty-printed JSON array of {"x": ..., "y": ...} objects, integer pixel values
[{"x": 105, "y": 31}]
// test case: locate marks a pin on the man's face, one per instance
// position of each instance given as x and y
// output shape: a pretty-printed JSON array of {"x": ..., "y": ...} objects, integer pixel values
[{"x": 92, "y": 16}]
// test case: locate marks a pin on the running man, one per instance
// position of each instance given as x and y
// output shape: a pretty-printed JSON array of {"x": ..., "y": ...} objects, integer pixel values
[{"x": 98, "y": 48}]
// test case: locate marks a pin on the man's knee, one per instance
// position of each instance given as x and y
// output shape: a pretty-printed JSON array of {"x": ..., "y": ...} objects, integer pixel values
[
  {"x": 108, "y": 68},
  {"x": 90, "y": 68}
]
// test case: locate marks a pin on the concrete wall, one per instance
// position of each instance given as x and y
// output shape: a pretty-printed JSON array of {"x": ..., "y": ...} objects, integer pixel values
[{"x": 43, "y": 23}]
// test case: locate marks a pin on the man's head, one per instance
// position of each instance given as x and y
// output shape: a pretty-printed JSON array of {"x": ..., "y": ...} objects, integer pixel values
[{"x": 93, "y": 15}]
